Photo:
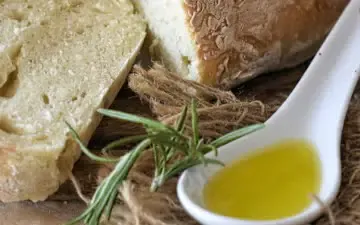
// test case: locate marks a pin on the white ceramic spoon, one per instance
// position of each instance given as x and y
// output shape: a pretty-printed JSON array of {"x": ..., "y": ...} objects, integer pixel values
[{"x": 314, "y": 111}]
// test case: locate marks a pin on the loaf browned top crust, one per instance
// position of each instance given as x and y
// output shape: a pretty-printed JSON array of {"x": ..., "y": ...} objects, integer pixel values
[{"x": 237, "y": 40}]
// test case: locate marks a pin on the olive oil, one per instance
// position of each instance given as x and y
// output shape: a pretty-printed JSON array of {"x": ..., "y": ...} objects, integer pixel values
[{"x": 271, "y": 183}]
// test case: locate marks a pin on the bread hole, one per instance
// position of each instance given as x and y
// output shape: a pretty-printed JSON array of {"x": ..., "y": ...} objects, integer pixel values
[
  {"x": 44, "y": 22},
  {"x": 83, "y": 94},
  {"x": 186, "y": 60},
  {"x": 7, "y": 67},
  {"x": 45, "y": 99},
  {"x": 136, "y": 11},
  {"x": 29, "y": 6},
  {"x": 80, "y": 30},
  {"x": 74, "y": 98},
  {"x": 41, "y": 137},
  {"x": 16, "y": 15},
  {"x": 7, "y": 127},
  {"x": 106, "y": 25},
  {"x": 9, "y": 89}
]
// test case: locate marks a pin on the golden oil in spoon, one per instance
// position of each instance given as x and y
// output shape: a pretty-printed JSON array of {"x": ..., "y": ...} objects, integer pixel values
[{"x": 272, "y": 183}]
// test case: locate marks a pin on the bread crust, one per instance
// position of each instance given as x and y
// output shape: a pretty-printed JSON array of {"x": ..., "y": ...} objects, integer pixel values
[{"x": 238, "y": 40}]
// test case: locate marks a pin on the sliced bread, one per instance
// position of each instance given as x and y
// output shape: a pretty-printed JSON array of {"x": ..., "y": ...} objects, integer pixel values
[
  {"x": 224, "y": 43},
  {"x": 60, "y": 60}
]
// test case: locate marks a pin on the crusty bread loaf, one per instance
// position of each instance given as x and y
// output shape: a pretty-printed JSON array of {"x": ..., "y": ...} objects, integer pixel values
[
  {"x": 60, "y": 60},
  {"x": 224, "y": 43}
]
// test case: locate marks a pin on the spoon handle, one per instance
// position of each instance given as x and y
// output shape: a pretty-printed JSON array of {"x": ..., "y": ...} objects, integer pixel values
[{"x": 324, "y": 92}]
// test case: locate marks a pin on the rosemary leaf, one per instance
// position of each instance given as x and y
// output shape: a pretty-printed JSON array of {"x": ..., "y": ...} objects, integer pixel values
[
  {"x": 180, "y": 167},
  {"x": 135, "y": 119},
  {"x": 156, "y": 156},
  {"x": 236, "y": 134},
  {"x": 180, "y": 123},
  {"x": 104, "y": 194},
  {"x": 87, "y": 212},
  {"x": 86, "y": 150},
  {"x": 110, "y": 205},
  {"x": 179, "y": 127},
  {"x": 214, "y": 161},
  {"x": 164, "y": 141},
  {"x": 208, "y": 148},
  {"x": 124, "y": 141},
  {"x": 201, "y": 157},
  {"x": 199, "y": 145},
  {"x": 194, "y": 122}
]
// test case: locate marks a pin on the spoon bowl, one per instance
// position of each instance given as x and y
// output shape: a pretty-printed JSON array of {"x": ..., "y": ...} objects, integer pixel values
[
  {"x": 192, "y": 182},
  {"x": 314, "y": 112}
]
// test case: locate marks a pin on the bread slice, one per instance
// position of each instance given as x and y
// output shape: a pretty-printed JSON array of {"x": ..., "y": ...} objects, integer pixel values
[
  {"x": 224, "y": 43},
  {"x": 60, "y": 60}
]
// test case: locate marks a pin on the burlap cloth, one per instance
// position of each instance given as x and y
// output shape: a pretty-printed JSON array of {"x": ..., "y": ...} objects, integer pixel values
[{"x": 142, "y": 207}]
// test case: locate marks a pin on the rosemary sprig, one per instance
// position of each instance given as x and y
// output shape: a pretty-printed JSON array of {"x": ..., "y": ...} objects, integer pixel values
[{"x": 166, "y": 143}]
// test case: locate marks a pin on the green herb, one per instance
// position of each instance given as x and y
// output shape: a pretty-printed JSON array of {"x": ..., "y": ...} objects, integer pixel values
[{"x": 166, "y": 143}]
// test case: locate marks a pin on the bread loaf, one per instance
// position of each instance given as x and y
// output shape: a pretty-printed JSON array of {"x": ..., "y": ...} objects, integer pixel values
[
  {"x": 224, "y": 43},
  {"x": 60, "y": 61}
]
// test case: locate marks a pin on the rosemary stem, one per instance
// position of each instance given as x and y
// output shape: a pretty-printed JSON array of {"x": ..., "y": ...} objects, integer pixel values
[
  {"x": 123, "y": 141},
  {"x": 167, "y": 144},
  {"x": 86, "y": 150}
]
